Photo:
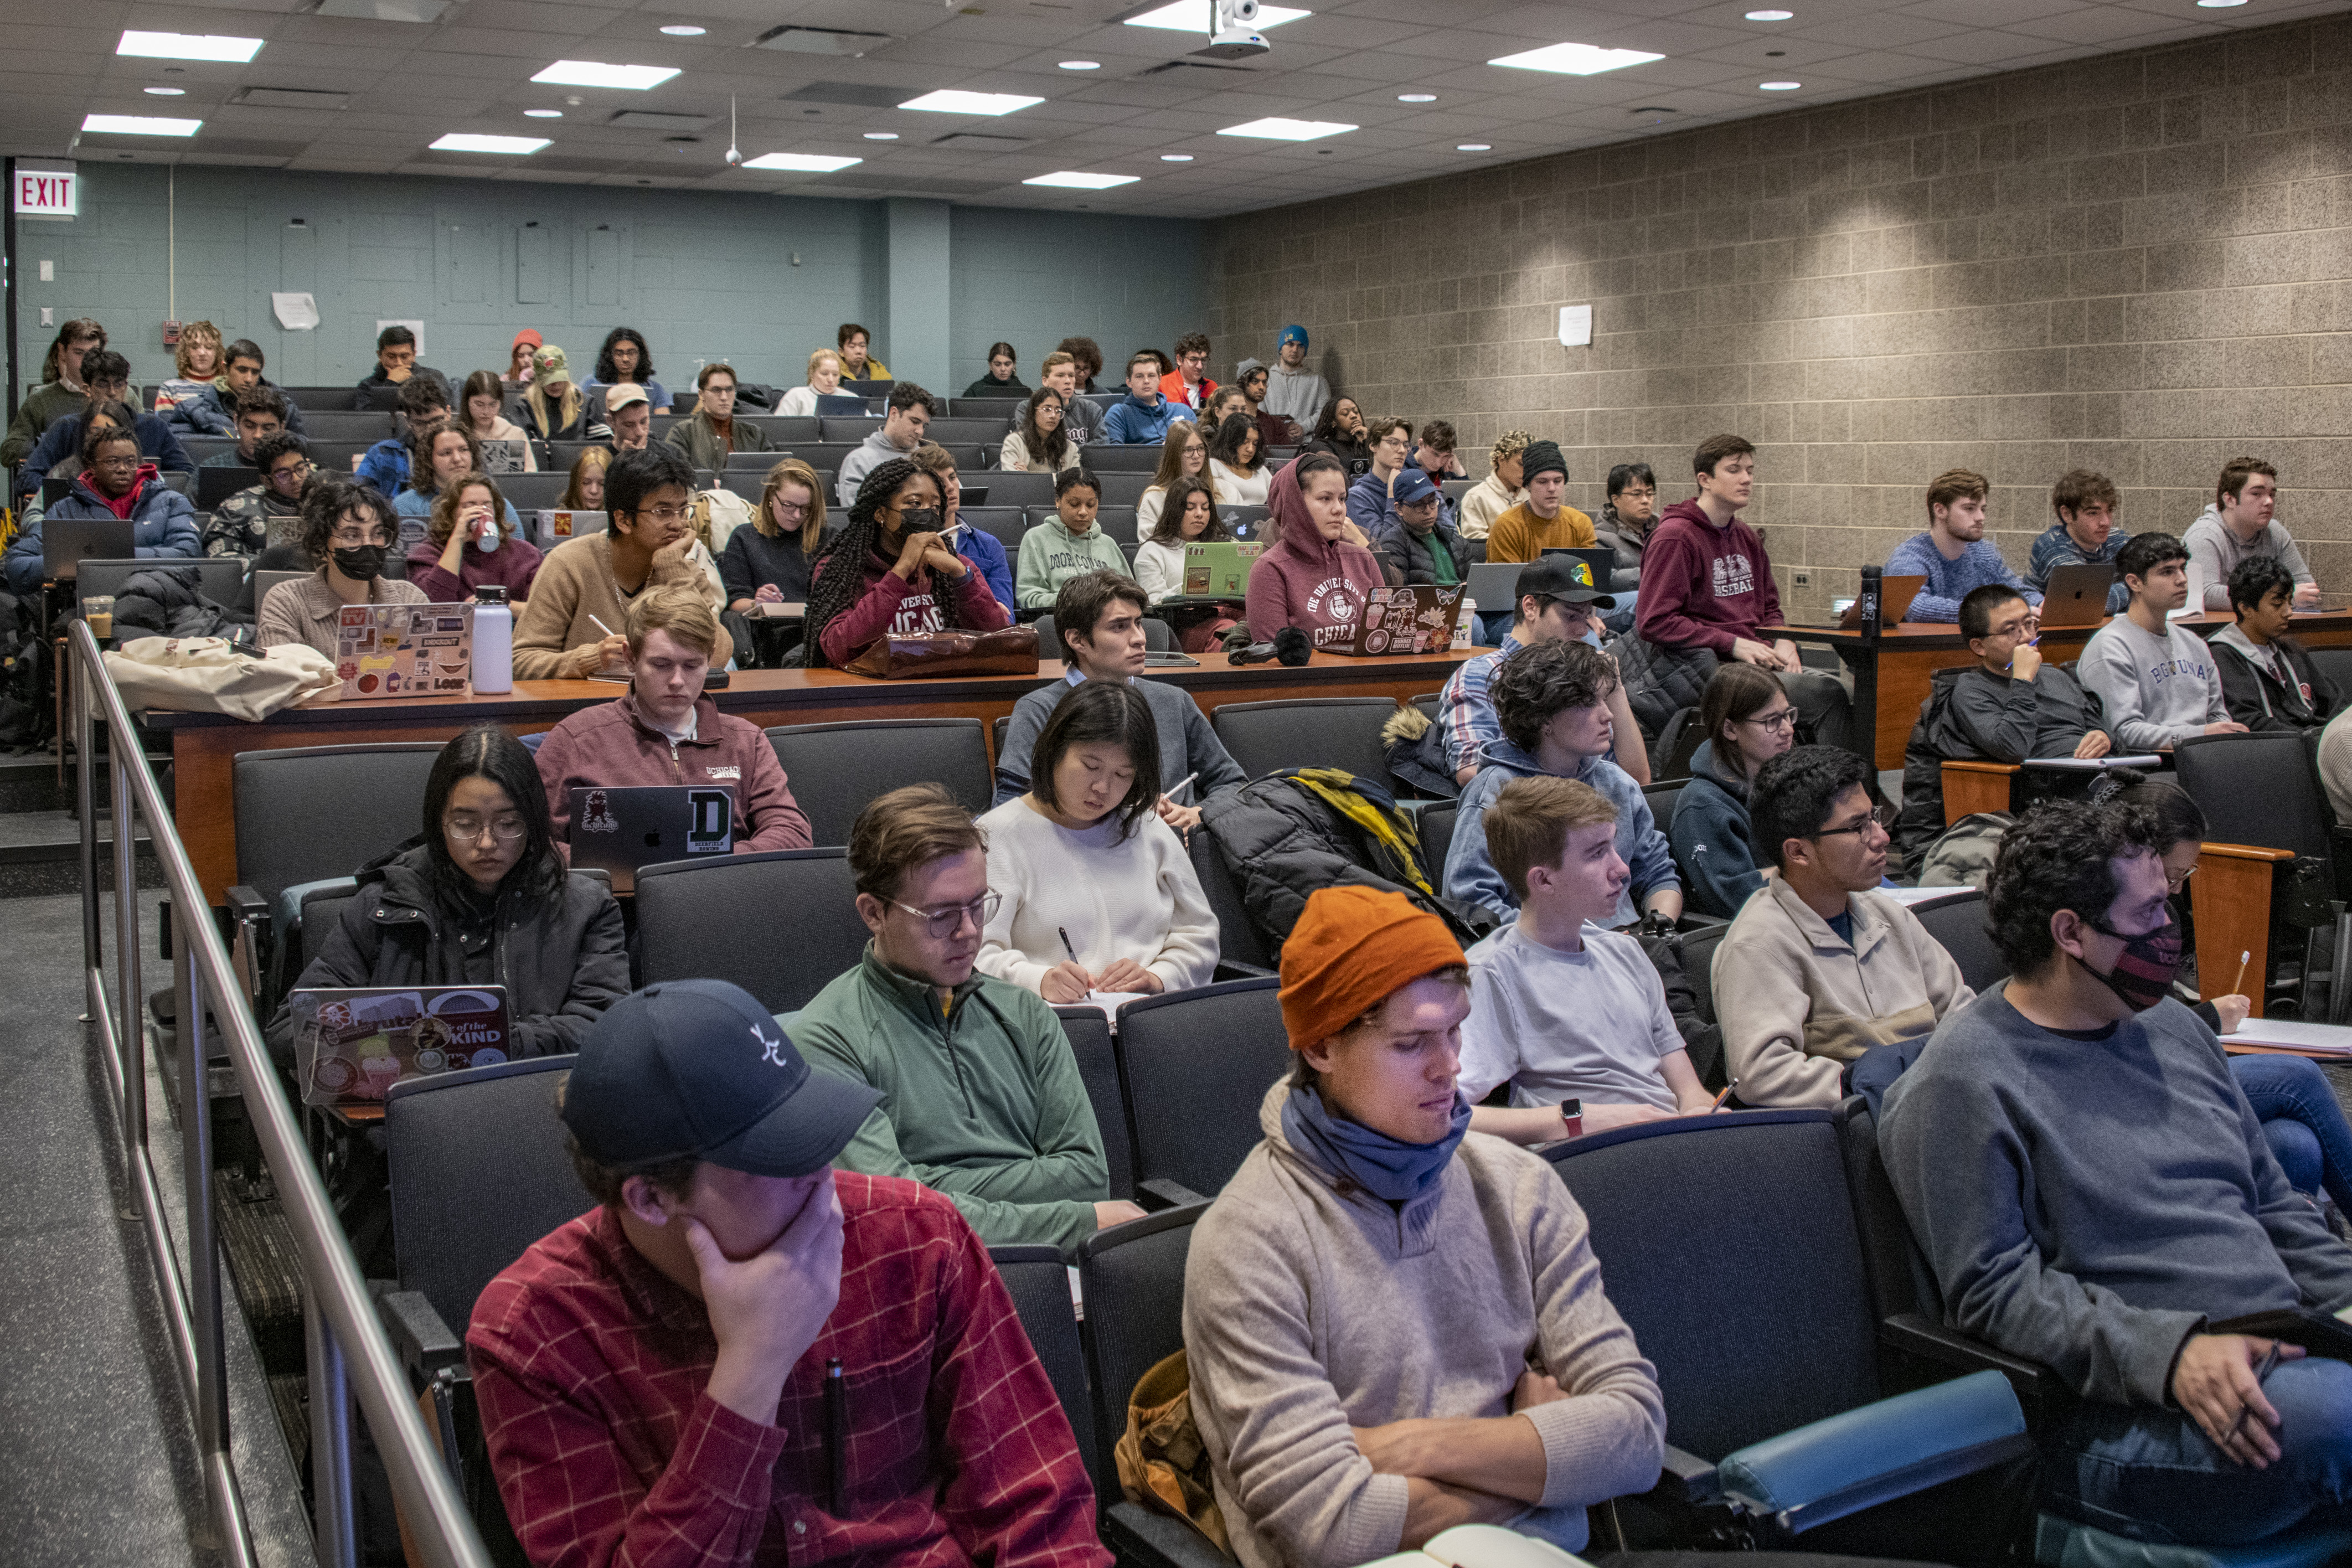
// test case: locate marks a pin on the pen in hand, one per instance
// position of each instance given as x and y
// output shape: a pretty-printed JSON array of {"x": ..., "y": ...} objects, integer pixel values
[{"x": 2269, "y": 1363}]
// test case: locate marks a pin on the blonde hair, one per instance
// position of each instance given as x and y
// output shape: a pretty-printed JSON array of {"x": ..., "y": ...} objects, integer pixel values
[
  {"x": 1057, "y": 358},
  {"x": 1510, "y": 444},
  {"x": 444, "y": 509},
  {"x": 1529, "y": 822},
  {"x": 596, "y": 458},
  {"x": 792, "y": 471},
  {"x": 191, "y": 336},
  {"x": 817, "y": 358},
  {"x": 1181, "y": 434},
  {"x": 678, "y": 610}
]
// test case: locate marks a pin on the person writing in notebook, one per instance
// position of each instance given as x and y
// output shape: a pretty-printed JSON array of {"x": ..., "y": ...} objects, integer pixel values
[
  {"x": 981, "y": 1096},
  {"x": 2094, "y": 1193}
]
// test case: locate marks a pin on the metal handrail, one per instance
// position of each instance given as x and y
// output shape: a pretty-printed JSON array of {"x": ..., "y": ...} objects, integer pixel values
[{"x": 345, "y": 1338}]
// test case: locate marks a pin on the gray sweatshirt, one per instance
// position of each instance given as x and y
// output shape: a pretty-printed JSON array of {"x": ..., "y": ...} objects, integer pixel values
[
  {"x": 2216, "y": 550},
  {"x": 2090, "y": 1203},
  {"x": 1308, "y": 1310},
  {"x": 1297, "y": 395},
  {"x": 2156, "y": 691}
]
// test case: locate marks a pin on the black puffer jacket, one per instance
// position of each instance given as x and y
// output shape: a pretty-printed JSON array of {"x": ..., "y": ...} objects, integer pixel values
[
  {"x": 560, "y": 968},
  {"x": 164, "y": 600},
  {"x": 1282, "y": 842},
  {"x": 1661, "y": 682}
]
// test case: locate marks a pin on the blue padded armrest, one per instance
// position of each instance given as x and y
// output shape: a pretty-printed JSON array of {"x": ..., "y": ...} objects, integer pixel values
[
  {"x": 289, "y": 902},
  {"x": 1861, "y": 1458}
]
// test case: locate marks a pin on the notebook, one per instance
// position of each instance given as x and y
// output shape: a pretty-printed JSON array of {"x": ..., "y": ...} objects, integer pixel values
[
  {"x": 1400, "y": 621},
  {"x": 2076, "y": 595},
  {"x": 404, "y": 650},
  {"x": 503, "y": 457},
  {"x": 350, "y": 1045},
  {"x": 622, "y": 830}
]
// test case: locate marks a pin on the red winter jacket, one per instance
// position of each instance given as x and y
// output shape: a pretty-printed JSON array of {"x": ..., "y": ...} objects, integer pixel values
[{"x": 609, "y": 747}]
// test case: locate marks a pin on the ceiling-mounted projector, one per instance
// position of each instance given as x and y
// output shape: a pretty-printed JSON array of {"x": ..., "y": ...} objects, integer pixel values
[{"x": 1233, "y": 36}]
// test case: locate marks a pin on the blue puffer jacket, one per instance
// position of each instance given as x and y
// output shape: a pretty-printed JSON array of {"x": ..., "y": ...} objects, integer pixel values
[
  {"x": 1710, "y": 838},
  {"x": 163, "y": 524}
]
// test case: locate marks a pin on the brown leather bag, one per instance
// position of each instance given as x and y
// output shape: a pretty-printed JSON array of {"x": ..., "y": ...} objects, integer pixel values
[{"x": 1011, "y": 650}]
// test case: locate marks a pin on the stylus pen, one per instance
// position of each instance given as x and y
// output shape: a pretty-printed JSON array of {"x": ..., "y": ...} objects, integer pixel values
[
  {"x": 1183, "y": 782},
  {"x": 1724, "y": 1096},
  {"x": 602, "y": 627},
  {"x": 2270, "y": 1361},
  {"x": 837, "y": 1439}
]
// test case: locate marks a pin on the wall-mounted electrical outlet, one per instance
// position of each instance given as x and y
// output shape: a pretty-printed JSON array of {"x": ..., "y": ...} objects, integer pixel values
[
  {"x": 49, "y": 316},
  {"x": 1804, "y": 579},
  {"x": 49, "y": 271}
]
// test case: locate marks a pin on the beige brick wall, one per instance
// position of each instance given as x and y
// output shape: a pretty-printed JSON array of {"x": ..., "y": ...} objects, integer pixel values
[{"x": 2139, "y": 263}]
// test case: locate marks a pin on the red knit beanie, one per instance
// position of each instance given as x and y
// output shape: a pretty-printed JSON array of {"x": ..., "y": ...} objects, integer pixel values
[{"x": 1352, "y": 948}]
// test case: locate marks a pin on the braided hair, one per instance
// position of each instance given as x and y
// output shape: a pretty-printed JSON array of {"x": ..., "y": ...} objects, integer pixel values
[{"x": 839, "y": 581}]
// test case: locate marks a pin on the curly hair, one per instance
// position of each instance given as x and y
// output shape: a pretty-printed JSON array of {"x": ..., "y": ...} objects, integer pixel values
[
  {"x": 324, "y": 502},
  {"x": 1326, "y": 425},
  {"x": 1550, "y": 678},
  {"x": 839, "y": 581},
  {"x": 1793, "y": 793},
  {"x": 445, "y": 507},
  {"x": 423, "y": 437},
  {"x": 608, "y": 374},
  {"x": 2061, "y": 856}
]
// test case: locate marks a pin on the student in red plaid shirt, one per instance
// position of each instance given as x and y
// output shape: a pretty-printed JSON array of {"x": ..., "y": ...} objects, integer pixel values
[{"x": 653, "y": 1375}]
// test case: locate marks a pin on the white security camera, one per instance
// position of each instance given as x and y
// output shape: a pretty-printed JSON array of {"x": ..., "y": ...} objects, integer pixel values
[{"x": 734, "y": 157}]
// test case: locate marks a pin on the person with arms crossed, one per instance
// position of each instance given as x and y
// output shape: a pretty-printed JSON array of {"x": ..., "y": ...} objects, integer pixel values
[
  {"x": 1823, "y": 964},
  {"x": 1395, "y": 1327},
  {"x": 2156, "y": 680},
  {"x": 1564, "y": 1011},
  {"x": 653, "y": 1375},
  {"x": 980, "y": 1098},
  {"x": 2094, "y": 1193}
]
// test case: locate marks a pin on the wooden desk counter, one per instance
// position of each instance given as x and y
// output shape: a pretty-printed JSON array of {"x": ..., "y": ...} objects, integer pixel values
[
  {"x": 1893, "y": 669},
  {"x": 205, "y": 745}
]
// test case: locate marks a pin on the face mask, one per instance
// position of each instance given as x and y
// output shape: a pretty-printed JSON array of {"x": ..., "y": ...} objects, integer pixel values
[
  {"x": 2143, "y": 975},
  {"x": 361, "y": 564},
  {"x": 920, "y": 519}
]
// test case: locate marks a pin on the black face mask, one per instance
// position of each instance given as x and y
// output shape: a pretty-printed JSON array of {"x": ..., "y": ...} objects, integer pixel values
[
  {"x": 361, "y": 564},
  {"x": 2144, "y": 972},
  {"x": 920, "y": 519}
]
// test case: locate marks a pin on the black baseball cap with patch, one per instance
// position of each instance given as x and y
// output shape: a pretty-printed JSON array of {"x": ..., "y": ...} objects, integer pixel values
[
  {"x": 1562, "y": 577},
  {"x": 698, "y": 1069}
]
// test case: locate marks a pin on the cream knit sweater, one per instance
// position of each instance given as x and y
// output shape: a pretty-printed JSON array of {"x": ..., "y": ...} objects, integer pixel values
[{"x": 1140, "y": 899}]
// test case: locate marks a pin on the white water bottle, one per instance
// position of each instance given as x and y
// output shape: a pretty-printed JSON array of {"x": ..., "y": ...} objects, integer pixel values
[
  {"x": 1465, "y": 623},
  {"x": 493, "y": 640}
]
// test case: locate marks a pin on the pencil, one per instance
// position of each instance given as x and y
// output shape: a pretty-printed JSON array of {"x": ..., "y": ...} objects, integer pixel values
[
  {"x": 603, "y": 627},
  {"x": 2244, "y": 959},
  {"x": 1170, "y": 791},
  {"x": 1724, "y": 1096}
]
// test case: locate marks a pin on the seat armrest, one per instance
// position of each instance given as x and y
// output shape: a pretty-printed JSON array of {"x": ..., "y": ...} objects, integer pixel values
[
  {"x": 1686, "y": 1480},
  {"x": 1152, "y": 1540},
  {"x": 1879, "y": 1452},
  {"x": 1916, "y": 1335},
  {"x": 1974, "y": 786},
  {"x": 424, "y": 1340},
  {"x": 1229, "y": 969},
  {"x": 247, "y": 906},
  {"x": 1161, "y": 1192}
]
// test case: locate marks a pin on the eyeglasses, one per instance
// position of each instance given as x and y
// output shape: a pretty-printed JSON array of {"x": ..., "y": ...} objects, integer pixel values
[
  {"x": 2174, "y": 884},
  {"x": 667, "y": 514},
  {"x": 292, "y": 473},
  {"x": 791, "y": 509},
  {"x": 468, "y": 829},
  {"x": 1883, "y": 819},
  {"x": 1786, "y": 719},
  {"x": 946, "y": 922},
  {"x": 129, "y": 462}
]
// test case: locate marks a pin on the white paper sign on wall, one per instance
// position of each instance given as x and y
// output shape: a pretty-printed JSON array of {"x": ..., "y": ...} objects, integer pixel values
[
  {"x": 1576, "y": 326},
  {"x": 47, "y": 193}
]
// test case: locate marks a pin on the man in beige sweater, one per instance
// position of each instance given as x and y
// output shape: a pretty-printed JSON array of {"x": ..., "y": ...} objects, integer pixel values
[
  {"x": 572, "y": 626},
  {"x": 1363, "y": 1302},
  {"x": 1823, "y": 967}
]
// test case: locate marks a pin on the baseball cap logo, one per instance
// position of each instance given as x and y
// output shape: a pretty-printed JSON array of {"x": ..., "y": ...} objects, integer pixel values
[{"x": 775, "y": 1047}]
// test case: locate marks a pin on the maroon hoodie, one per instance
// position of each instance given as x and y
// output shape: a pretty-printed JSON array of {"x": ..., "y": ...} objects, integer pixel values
[
  {"x": 1701, "y": 586},
  {"x": 610, "y": 746},
  {"x": 1303, "y": 580}
]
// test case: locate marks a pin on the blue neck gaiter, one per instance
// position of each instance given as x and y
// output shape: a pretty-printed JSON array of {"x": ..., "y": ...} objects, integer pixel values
[{"x": 1381, "y": 1164}]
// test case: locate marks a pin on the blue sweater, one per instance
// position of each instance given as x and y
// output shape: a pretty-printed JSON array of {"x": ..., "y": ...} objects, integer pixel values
[
  {"x": 985, "y": 551},
  {"x": 1134, "y": 422},
  {"x": 1949, "y": 582},
  {"x": 2055, "y": 548},
  {"x": 1712, "y": 848},
  {"x": 1470, "y": 873}
]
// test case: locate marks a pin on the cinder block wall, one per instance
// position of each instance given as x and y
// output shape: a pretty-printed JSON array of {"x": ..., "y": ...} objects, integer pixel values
[{"x": 2140, "y": 264}]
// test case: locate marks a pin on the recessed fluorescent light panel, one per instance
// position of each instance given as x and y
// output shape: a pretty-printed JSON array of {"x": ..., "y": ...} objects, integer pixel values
[
  {"x": 167, "y": 91},
  {"x": 802, "y": 163},
  {"x": 955, "y": 100},
  {"x": 1575, "y": 59},
  {"x": 1474, "y": 147},
  {"x": 1175, "y": 157},
  {"x": 684, "y": 30},
  {"x": 542, "y": 115},
  {"x": 138, "y": 125},
  {"x": 1077, "y": 181},
  {"x": 1779, "y": 86},
  {"x": 1280, "y": 130},
  {"x": 462, "y": 142},
  {"x": 1770, "y": 16},
  {"x": 596, "y": 73},
  {"x": 1416, "y": 98},
  {"x": 1192, "y": 16},
  {"x": 881, "y": 136},
  {"x": 188, "y": 46}
]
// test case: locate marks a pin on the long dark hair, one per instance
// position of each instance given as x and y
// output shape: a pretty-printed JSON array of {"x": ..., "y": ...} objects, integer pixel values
[
  {"x": 840, "y": 579},
  {"x": 1052, "y": 450},
  {"x": 1170, "y": 529},
  {"x": 605, "y": 371},
  {"x": 489, "y": 752},
  {"x": 1326, "y": 425},
  {"x": 1225, "y": 445},
  {"x": 1102, "y": 712}
]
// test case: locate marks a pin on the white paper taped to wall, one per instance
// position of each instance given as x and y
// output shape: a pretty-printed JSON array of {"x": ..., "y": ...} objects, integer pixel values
[
  {"x": 294, "y": 312},
  {"x": 1576, "y": 326}
]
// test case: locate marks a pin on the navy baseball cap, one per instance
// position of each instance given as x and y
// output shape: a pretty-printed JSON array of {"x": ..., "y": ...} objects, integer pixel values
[
  {"x": 1413, "y": 485},
  {"x": 1560, "y": 577},
  {"x": 697, "y": 1068}
]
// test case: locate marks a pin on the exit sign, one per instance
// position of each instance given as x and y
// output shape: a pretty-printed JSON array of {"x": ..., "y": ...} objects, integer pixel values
[{"x": 47, "y": 193}]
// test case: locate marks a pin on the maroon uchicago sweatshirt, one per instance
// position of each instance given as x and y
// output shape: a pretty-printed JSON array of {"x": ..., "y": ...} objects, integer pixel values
[
  {"x": 1701, "y": 586},
  {"x": 1307, "y": 582}
]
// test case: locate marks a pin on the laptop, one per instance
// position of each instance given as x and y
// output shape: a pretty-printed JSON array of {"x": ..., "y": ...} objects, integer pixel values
[
  {"x": 1598, "y": 567},
  {"x": 214, "y": 485},
  {"x": 2076, "y": 595},
  {"x": 1400, "y": 621},
  {"x": 620, "y": 830},
  {"x": 555, "y": 527},
  {"x": 1494, "y": 585},
  {"x": 1219, "y": 570},
  {"x": 503, "y": 457},
  {"x": 864, "y": 389},
  {"x": 973, "y": 495},
  {"x": 351, "y": 1044},
  {"x": 404, "y": 650},
  {"x": 840, "y": 401},
  {"x": 67, "y": 542},
  {"x": 1244, "y": 523},
  {"x": 1895, "y": 596}
]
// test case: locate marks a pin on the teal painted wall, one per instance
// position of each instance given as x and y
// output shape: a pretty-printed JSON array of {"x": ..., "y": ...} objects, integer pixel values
[{"x": 704, "y": 276}]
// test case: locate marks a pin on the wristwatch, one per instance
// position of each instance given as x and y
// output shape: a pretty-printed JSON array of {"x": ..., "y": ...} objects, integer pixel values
[{"x": 1572, "y": 1113}]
